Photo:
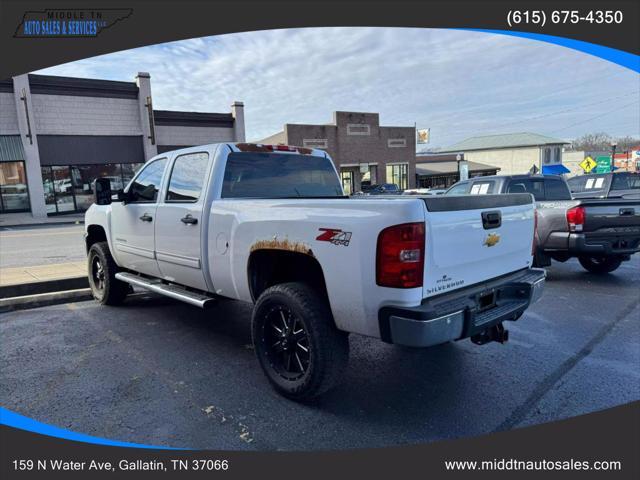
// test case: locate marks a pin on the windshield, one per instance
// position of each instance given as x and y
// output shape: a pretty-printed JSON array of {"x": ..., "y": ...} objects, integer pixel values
[{"x": 279, "y": 175}]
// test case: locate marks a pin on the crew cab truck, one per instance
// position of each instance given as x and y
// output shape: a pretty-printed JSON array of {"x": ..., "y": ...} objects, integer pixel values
[
  {"x": 600, "y": 233},
  {"x": 270, "y": 225},
  {"x": 624, "y": 185}
]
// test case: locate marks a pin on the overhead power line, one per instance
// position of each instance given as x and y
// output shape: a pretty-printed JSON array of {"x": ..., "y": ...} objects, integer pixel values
[
  {"x": 596, "y": 116},
  {"x": 572, "y": 109}
]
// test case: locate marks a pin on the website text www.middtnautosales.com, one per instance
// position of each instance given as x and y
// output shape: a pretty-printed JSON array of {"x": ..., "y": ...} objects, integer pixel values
[{"x": 513, "y": 464}]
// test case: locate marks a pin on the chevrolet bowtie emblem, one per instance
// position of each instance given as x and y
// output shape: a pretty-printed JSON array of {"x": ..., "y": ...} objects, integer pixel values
[{"x": 491, "y": 240}]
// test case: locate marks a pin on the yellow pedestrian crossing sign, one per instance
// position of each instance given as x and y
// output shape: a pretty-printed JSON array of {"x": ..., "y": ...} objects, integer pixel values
[{"x": 588, "y": 164}]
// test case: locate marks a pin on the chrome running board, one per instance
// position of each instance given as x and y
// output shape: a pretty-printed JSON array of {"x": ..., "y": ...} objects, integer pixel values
[{"x": 168, "y": 290}]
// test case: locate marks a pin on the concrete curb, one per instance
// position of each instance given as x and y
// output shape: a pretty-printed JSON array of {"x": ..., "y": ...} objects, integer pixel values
[
  {"x": 47, "y": 286},
  {"x": 44, "y": 299},
  {"x": 40, "y": 224}
]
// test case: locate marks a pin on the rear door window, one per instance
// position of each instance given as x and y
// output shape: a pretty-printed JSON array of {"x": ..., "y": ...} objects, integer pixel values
[
  {"x": 576, "y": 184},
  {"x": 482, "y": 188},
  {"x": 279, "y": 175},
  {"x": 187, "y": 177}
]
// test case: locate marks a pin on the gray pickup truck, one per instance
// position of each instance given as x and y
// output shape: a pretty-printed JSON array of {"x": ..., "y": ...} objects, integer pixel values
[
  {"x": 601, "y": 233},
  {"x": 606, "y": 185}
]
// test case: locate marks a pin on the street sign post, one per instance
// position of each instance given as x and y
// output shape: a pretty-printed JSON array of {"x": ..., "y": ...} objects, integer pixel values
[
  {"x": 588, "y": 164},
  {"x": 603, "y": 164}
]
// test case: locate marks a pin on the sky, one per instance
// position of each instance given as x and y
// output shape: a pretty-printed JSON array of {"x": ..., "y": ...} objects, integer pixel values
[{"x": 458, "y": 83}]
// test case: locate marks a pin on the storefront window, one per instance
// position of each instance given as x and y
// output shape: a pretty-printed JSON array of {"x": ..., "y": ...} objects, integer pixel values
[
  {"x": 70, "y": 188},
  {"x": 347, "y": 181},
  {"x": 85, "y": 175},
  {"x": 128, "y": 172},
  {"x": 49, "y": 194},
  {"x": 63, "y": 188},
  {"x": 399, "y": 175},
  {"x": 14, "y": 194},
  {"x": 370, "y": 177}
]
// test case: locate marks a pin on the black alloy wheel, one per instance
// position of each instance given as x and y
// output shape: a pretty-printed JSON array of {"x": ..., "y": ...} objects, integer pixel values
[{"x": 287, "y": 343}]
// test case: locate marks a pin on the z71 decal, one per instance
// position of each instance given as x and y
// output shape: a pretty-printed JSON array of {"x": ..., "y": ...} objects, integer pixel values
[{"x": 335, "y": 236}]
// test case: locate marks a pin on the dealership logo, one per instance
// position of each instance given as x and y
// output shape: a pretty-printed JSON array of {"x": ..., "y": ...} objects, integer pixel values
[
  {"x": 67, "y": 23},
  {"x": 335, "y": 236}
]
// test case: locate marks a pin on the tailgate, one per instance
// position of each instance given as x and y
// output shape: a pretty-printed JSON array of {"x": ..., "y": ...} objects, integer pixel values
[
  {"x": 611, "y": 216},
  {"x": 474, "y": 238}
]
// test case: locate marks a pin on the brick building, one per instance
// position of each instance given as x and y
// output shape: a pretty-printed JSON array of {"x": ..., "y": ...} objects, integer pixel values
[
  {"x": 364, "y": 152},
  {"x": 57, "y": 134}
]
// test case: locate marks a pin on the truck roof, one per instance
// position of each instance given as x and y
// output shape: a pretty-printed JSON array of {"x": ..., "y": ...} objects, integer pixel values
[
  {"x": 254, "y": 147},
  {"x": 521, "y": 176}
]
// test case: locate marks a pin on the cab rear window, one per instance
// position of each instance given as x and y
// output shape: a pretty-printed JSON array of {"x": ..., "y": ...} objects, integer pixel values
[
  {"x": 622, "y": 181},
  {"x": 541, "y": 189},
  {"x": 279, "y": 175}
]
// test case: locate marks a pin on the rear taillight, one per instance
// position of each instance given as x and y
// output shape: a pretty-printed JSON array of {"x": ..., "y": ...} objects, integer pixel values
[
  {"x": 400, "y": 256},
  {"x": 534, "y": 243},
  {"x": 575, "y": 219}
]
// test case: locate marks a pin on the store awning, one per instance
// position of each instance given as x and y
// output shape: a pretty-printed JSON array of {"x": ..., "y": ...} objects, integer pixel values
[
  {"x": 428, "y": 169},
  {"x": 11, "y": 148},
  {"x": 558, "y": 169},
  {"x": 89, "y": 150}
]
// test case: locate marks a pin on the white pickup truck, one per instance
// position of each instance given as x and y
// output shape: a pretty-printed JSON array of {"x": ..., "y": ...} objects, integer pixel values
[{"x": 270, "y": 225}]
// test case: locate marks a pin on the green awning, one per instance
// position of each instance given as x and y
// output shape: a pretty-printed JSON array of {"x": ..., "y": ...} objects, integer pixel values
[{"x": 11, "y": 148}]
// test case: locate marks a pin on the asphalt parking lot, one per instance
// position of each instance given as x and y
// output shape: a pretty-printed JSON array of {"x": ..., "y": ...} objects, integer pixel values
[{"x": 164, "y": 373}]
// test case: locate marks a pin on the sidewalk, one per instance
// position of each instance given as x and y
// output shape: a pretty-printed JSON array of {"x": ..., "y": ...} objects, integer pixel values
[
  {"x": 26, "y": 219},
  {"x": 42, "y": 273}
]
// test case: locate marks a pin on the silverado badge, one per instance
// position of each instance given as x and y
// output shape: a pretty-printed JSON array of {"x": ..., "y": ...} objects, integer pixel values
[{"x": 491, "y": 240}]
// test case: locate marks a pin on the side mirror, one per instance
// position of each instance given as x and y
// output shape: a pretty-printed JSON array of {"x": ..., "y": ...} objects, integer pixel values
[{"x": 102, "y": 191}]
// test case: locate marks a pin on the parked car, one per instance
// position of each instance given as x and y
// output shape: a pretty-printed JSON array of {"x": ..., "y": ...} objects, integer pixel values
[
  {"x": 270, "y": 225},
  {"x": 382, "y": 189},
  {"x": 606, "y": 185},
  {"x": 600, "y": 233},
  {"x": 423, "y": 191}
]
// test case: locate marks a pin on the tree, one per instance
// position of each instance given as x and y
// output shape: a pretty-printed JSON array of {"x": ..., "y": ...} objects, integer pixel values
[
  {"x": 626, "y": 143},
  {"x": 592, "y": 142},
  {"x": 601, "y": 142}
]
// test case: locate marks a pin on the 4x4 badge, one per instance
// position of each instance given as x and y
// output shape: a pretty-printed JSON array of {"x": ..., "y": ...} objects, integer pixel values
[{"x": 335, "y": 236}]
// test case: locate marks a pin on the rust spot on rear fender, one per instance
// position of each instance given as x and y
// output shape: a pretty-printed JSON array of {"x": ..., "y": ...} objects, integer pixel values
[{"x": 286, "y": 245}]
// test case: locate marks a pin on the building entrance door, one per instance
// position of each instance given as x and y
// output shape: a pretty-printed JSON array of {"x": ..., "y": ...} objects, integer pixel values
[{"x": 347, "y": 181}]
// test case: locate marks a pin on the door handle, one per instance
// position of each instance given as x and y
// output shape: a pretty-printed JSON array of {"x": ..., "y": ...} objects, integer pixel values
[
  {"x": 627, "y": 211},
  {"x": 491, "y": 219},
  {"x": 189, "y": 220},
  {"x": 146, "y": 218}
]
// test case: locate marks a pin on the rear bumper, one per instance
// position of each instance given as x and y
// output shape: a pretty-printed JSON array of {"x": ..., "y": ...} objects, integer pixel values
[
  {"x": 610, "y": 244},
  {"x": 458, "y": 314},
  {"x": 606, "y": 243}
]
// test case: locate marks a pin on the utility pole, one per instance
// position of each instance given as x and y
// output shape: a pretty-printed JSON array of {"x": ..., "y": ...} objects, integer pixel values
[{"x": 614, "y": 144}]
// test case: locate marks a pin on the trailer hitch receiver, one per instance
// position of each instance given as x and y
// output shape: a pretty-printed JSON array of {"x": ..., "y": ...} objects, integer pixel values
[{"x": 497, "y": 333}]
